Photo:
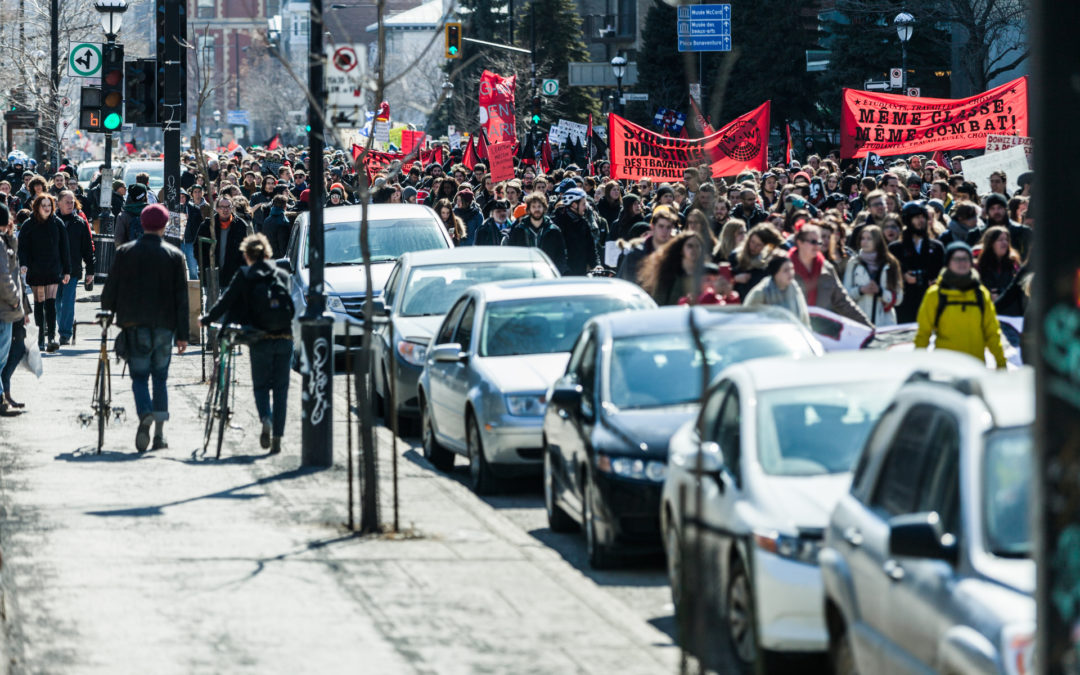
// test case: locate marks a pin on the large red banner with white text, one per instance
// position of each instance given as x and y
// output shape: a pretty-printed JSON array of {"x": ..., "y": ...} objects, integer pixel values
[
  {"x": 497, "y": 106},
  {"x": 890, "y": 124},
  {"x": 741, "y": 145}
]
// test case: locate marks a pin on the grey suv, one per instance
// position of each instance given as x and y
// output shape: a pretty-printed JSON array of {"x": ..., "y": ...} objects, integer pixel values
[{"x": 927, "y": 561}]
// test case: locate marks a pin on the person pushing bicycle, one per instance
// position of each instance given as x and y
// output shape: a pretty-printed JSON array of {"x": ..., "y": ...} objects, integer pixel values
[
  {"x": 147, "y": 288},
  {"x": 258, "y": 297}
]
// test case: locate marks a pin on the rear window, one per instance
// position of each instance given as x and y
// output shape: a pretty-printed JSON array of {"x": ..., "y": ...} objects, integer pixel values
[
  {"x": 430, "y": 291},
  {"x": 545, "y": 325},
  {"x": 388, "y": 240}
]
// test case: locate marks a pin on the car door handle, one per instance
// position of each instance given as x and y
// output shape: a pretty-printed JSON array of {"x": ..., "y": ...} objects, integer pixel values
[
  {"x": 893, "y": 570},
  {"x": 853, "y": 536}
]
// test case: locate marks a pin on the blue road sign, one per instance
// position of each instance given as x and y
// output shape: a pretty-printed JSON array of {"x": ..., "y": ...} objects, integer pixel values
[
  {"x": 704, "y": 43},
  {"x": 720, "y": 12},
  {"x": 708, "y": 27}
]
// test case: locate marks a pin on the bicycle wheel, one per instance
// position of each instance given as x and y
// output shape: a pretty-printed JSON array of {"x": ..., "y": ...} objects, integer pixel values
[
  {"x": 225, "y": 413},
  {"x": 101, "y": 406},
  {"x": 210, "y": 408}
]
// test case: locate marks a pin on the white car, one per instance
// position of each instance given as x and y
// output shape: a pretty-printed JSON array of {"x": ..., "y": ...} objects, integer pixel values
[
  {"x": 87, "y": 171},
  {"x": 154, "y": 167},
  {"x": 780, "y": 439}
]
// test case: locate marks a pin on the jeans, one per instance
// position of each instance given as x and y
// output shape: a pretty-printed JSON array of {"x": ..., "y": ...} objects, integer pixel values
[
  {"x": 192, "y": 266},
  {"x": 149, "y": 353},
  {"x": 14, "y": 356},
  {"x": 270, "y": 361},
  {"x": 65, "y": 307},
  {"x": 5, "y": 345}
]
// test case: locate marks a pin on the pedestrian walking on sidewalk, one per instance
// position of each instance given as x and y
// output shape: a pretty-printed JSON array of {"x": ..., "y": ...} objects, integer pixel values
[
  {"x": 81, "y": 244},
  {"x": 11, "y": 298},
  {"x": 147, "y": 288},
  {"x": 259, "y": 297},
  {"x": 44, "y": 254}
]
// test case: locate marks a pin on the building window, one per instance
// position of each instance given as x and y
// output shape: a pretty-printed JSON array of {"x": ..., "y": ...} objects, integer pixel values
[
  {"x": 206, "y": 53},
  {"x": 273, "y": 7},
  {"x": 205, "y": 9},
  {"x": 627, "y": 18}
]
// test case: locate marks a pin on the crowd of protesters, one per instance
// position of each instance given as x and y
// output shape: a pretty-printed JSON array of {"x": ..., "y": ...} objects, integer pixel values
[{"x": 916, "y": 244}]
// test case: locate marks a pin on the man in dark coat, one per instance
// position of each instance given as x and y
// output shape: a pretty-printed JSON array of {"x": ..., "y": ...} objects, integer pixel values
[
  {"x": 570, "y": 218},
  {"x": 536, "y": 229},
  {"x": 921, "y": 259},
  {"x": 229, "y": 230},
  {"x": 147, "y": 288}
]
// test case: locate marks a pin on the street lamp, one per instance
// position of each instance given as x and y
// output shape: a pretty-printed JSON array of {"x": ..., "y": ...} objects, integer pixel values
[
  {"x": 618, "y": 67},
  {"x": 112, "y": 16},
  {"x": 905, "y": 26}
]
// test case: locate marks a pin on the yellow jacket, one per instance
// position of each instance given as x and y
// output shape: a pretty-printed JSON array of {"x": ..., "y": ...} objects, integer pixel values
[{"x": 961, "y": 328}]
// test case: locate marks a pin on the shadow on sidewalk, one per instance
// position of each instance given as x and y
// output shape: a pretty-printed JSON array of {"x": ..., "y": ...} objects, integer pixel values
[
  {"x": 230, "y": 493},
  {"x": 89, "y": 453}
]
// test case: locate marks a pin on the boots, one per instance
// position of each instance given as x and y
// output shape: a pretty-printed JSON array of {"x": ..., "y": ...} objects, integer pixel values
[
  {"x": 264, "y": 437},
  {"x": 275, "y": 445},
  {"x": 159, "y": 436},
  {"x": 142, "y": 436},
  {"x": 39, "y": 321},
  {"x": 50, "y": 323}
]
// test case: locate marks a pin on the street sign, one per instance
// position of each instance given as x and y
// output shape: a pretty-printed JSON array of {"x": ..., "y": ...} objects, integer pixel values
[
  {"x": 635, "y": 97},
  {"x": 549, "y": 87},
  {"x": 896, "y": 78},
  {"x": 84, "y": 59},
  {"x": 344, "y": 72},
  {"x": 704, "y": 28},
  {"x": 876, "y": 85},
  {"x": 914, "y": 91},
  {"x": 238, "y": 118}
]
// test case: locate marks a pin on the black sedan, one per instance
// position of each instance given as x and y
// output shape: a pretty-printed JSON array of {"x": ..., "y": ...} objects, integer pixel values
[{"x": 632, "y": 380}]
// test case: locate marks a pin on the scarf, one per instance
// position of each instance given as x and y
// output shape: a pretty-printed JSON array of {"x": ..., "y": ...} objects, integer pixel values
[
  {"x": 809, "y": 277},
  {"x": 953, "y": 281},
  {"x": 135, "y": 208},
  {"x": 791, "y": 298},
  {"x": 224, "y": 224},
  {"x": 869, "y": 258}
]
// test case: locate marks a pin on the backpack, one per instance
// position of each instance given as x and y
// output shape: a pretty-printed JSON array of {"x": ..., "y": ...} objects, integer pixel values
[
  {"x": 271, "y": 307},
  {"x": 943, "y": 301},
  {"x": 135, "y": 228}
]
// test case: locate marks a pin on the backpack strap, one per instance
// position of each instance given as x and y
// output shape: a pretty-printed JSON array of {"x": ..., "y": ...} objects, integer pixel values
[
  {"x": 942, "y": 301},
  {"x": 980, "y": 302}
]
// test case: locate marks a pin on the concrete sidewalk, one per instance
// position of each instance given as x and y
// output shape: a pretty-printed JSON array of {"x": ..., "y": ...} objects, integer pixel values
[{"x": 167, "y": 563}]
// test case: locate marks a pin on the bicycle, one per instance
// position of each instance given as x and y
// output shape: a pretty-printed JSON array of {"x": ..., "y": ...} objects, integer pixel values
[
  {"x": 218, "y": 406},
  {"x": 101, "y": 402}
]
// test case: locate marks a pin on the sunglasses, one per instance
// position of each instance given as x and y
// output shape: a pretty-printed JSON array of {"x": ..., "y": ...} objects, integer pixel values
[{"x": 812, "y": 242}]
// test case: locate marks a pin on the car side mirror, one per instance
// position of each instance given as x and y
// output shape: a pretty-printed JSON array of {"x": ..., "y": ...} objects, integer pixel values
[
  {"x": 285, "y": 264},
  {"x": 448, "y": 353},
  {"x": 379, "y": 307},
  {"x": 566, "y": 396},
  {"x": 709, "y": 456},
  {"x": 921, "y": 535}
]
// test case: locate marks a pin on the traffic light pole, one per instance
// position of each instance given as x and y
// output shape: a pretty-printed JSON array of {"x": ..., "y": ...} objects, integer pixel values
[
  {"x": 316, "y": 329},
  {"x": 173, "y": 104}
]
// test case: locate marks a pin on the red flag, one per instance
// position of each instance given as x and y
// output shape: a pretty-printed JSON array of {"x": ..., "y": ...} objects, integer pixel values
[
  {"x": 891, "y": 124},
  {"x": 469, "y": 158},
  {"x": 787, "y": 151},
  {"x": 482, "y": 147},
  {"x": 233, "y": 145},
  {"x": 740, "y": 145},
  {"x": 703, "y": 123},
  {"x": 939, "y": 159},
  {"x": 545, "y": 155},
  {"x": 497, "y": 106},
  {"x": 274, "y": 143},
  {"x": 384, "y": 111},
  {"x": 129, "y": 146},
  {"x": 356, "y": 151}
]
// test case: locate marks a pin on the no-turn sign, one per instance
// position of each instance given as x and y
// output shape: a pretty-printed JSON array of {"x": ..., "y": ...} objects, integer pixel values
[
  {"x": 550, "y": 87},
  {"x": 345, "y": 59},
  {"x": 84, "y": 60}
]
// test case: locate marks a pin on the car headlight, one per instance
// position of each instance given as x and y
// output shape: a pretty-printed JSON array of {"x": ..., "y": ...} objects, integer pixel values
[
  {"x": 629, "y": 467},
  {"x": 528, "y": 405},
  {"x": 334, "y": 303},
  {"x": 412, "y": 351},
  {"x": 1018, "y": 648},
  {"x": 801, "y": 549}
]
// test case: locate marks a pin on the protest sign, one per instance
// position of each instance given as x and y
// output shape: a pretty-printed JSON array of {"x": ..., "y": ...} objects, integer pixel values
[
  {"x": 1012, "y": 161},
  {"x": 497, "y": 106},
  {"x": 996, "y": 143},
  {"x": 739, "y": 146},
  {"x": 501, "y": 161},
  {"x": 891, "y": 124}
]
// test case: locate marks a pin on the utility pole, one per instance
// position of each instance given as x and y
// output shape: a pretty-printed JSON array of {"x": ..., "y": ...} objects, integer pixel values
[
  {"x": 1055, "y": 320},
  {"x": 173, "y": 113},
  {"x": 316, "y": 329},
  {"x": 54, "y": 99}
]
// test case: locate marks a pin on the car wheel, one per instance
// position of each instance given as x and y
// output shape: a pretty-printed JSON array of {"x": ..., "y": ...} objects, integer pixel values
[
  {"x": 742, "y": 626},
  {"x": 841, "y": 655},
  {"x": 600, "y": 555},
  {"x": 558, "y": 520},
  {"x": 434, "y": 452},
  {"x": 483, "y": 481}
]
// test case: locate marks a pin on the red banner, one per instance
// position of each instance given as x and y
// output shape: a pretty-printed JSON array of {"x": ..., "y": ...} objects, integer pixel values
[
  {"x": 501, "y": 158},
  {"x": 497, "y": 106},
  {"x": 374, "y": 162},
  {"x": 890, "y": 124},
  {"x": 410, "y": 139},
  {"x": 739, "y": 146}
]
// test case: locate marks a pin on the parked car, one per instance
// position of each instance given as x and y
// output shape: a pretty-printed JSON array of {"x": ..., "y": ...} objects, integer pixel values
[
  {"x": 421, "y": 288},
  {"x": 393, "y": 229},
  {"x": 154, "y": 167},
  {"x": 86, "y": 173},
  {"x": 778, "y": 441},
  {"x": 927, "y": 561},
  {"x": 632, "y": 380},
  {"x": 484, "y": 386}
]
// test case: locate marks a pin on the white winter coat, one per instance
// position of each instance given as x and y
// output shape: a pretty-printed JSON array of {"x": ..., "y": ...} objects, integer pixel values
[{"x": 881, "y": 308}]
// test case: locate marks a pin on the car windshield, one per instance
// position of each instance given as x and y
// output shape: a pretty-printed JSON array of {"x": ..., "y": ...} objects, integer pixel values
[
  {"x": 388, "y": 240},
  {"x": 431, "y": 290},
  {"x": 1007, "y": 492},
  {"x": 656, "y": 370},
  {"x": 544, "y": 325},
  {"x": 808, "y": 431},
  {"x": 86, "y": 173},
  {"x": 157, "y": 175}
]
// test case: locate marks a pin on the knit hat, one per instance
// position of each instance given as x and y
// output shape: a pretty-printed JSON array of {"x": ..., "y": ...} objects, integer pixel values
[
  {"x": 154, "y": 218},
  {"x": 664, "y": 190},
  {"x": 996, "y": 198},
  {"x": 407, "y": 192},
  {"x": 465, "y": 191},
  {"x": 957, "y": 246},
  {"x": 136, "y": 193},
  {"x": 305, "y": 196},
  {"x": 500, "y": 204},
  {"x": 801, "y": 174}
]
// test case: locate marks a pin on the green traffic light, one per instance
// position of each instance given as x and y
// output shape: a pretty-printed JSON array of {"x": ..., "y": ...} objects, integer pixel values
[
  {"x": 307, "y": 128},
  {"x": 112, "y": 121},
  {"x": 536, "y": 119},
  {"x": 452, "y": 49}
]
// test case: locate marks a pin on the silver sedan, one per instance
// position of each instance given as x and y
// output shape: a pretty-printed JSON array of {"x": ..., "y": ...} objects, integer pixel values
[{"x": 483, "y": 389}]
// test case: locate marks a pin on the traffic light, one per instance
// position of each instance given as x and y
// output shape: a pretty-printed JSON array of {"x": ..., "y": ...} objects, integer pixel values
[
  {"x": 453, "y": 40},
  {"x": 536, "y": 110},
  {"x": 90, "y": 109},
  {"x": 112, "y": 87},
  {"x": 140, "y": 92}
]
